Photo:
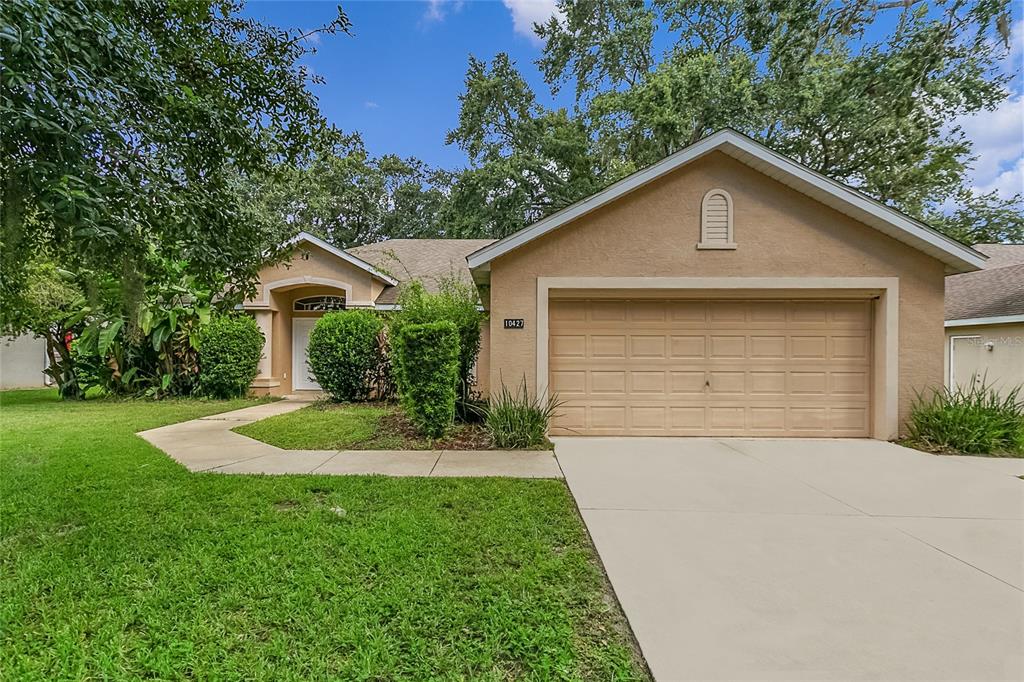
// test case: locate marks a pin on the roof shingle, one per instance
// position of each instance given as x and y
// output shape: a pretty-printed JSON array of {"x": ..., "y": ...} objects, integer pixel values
[
  {"x": 426, "y": 260},
  {"x": 996, "y": 291}
]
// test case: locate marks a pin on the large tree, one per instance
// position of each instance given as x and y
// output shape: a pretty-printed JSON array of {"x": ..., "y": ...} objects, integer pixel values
[
  {"x": 526, "y": 161},
  {"x": 348, "y": 197},
  {"x": 127, "y": 125},
  {"x": 863, "y": 91}
]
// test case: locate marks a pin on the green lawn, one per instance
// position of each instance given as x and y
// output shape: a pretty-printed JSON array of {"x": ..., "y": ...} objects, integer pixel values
[
  {"x": 326, "y": 426},
  {"x": 117, "y": 563}
]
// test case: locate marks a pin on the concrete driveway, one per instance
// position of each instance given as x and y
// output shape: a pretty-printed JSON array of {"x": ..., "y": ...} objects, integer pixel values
[{"x": 808, "y": 559}]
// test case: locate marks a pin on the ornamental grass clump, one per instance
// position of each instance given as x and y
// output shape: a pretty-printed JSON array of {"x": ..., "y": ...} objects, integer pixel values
[
  {"x": 517, "y": 420},
  {"x": 975, "y": 421}
]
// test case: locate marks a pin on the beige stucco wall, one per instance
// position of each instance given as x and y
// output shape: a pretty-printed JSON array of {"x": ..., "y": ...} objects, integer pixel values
[
  {"x": 359, "y": 287},
  {"x": 1003, "y": 366},
  {"x": 653, "y": 232},
  {"x": 320, "y": 264}
]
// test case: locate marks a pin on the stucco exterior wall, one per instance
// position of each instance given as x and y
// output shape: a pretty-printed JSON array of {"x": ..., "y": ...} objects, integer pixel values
[
  {"x": 1003, "y": 366},
  {"x": 321, "y": 273},
  {"x": 653, "y": 232},
  {"x": 320, "y": 264}
]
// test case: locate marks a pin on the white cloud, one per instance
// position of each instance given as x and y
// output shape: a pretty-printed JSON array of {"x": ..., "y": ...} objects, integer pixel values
[
  {"x": 371, "y": 104},
  {"x": 998, "y": 138},
  {"x": 526, "y": 13},
  {"x": 1008, "y": 183},
  {"x": 437, "y": 10}
]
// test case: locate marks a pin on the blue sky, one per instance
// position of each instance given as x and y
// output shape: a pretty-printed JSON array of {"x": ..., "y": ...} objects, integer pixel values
[{"x": 398, "y": 78}]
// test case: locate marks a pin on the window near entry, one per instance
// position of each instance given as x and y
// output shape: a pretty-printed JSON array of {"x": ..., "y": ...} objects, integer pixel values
[
  {"x": 716, "y": 221},
  {"x": 319, "y": 303}
]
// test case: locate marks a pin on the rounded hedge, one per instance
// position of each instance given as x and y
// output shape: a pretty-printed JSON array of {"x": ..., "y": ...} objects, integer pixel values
[
  {"x": 345, "y": 353},
  {"x": 230, "y": 348}
]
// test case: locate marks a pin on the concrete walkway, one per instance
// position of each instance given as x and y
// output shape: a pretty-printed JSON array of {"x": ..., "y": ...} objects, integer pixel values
[
  {"x": 738, "y": 559},
  {"x": 209, "y": 444}
]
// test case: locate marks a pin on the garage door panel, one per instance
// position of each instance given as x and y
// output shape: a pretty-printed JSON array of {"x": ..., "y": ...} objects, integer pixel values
[
  {"x": 808, "y": 347},
  {"x": 569, "y": 383},
  {"x": 768, "y": 383},
  {"x": 568, "y": 346},
  {"x": 683, "y": 347},
  {"x": 688, "y": 313},
  {"x": 850, "y": 383},
  {"x": 854, "y": 347},
  {"x": 677, "y": 367},
  {"x": 768, "y": 419},
  {"x": 608, "y": 382},
  {"x": 727, "y": 346},
  {"x": 607, "y": 311},
  {"x": 608, "y": 346},
  {"x": 768, "y": 347},
  {"x": 647, "y": 346}
]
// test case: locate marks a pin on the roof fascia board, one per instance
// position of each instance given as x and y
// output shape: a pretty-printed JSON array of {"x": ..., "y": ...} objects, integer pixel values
[
  {"x": 860, "y": 201},
  {"x": 972, "y": 321},
  {"x": 340, "y": 253},
  {"x": 961, "y": 256}
]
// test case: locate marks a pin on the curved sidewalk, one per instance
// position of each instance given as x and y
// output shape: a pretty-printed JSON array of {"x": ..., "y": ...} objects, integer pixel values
[{"x": 208, "y": 444}]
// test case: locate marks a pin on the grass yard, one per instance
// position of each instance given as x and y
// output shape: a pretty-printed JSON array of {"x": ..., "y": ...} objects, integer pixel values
[
  {"x": 327, "y": 426},
  {"x": 117, "y": 563}
]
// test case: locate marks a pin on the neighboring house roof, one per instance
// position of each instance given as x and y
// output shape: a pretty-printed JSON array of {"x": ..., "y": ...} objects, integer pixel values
[
  {"x": 957, "y": 257},
  {"x": 344, "y": 255},
  {"x": 426, "y": 260},
  {"x": 1001, "y": 254},
  {"x": 993, "y": 294}
]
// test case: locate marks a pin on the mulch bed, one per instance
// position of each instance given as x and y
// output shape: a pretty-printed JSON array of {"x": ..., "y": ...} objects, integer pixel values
[{"x": 463, "y": 437}]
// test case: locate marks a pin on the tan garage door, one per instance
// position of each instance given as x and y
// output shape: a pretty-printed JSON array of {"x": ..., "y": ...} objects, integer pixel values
[{"x": 707, "y": 367}]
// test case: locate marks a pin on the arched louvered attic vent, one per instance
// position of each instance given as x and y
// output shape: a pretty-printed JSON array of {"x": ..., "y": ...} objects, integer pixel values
[{"x": 716, "y": 221}]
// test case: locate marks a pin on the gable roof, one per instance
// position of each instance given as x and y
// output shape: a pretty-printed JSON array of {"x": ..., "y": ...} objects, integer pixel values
[
  {"x": 957, "y": 257},
  {"x": 426, "y": 260},
  {"x": 995, "y": 292},
  {"x": 344, "y": 255}
]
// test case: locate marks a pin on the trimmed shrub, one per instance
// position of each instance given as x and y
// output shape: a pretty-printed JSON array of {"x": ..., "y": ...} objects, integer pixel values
[
  {"x": 345, "y": 353},
  {"x": 457, "y": 302},
  {"x": 516, "y": 420},
  {"x": 426, "y": 364},
  {"x": 974, "y": 421},
  {"x": 230, "y": 347}
]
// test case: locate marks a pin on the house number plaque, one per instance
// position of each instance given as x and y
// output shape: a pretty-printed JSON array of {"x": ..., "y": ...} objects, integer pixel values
[{"x": 516, "y": 323}]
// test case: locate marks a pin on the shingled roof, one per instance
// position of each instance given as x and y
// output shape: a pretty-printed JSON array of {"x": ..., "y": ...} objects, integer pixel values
[
  {"x": 996, "y": 291},
  {"x": 426, "y": 260}
]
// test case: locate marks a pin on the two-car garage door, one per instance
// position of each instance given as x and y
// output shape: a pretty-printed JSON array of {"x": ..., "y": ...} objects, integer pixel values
[{"x": 711, "y": 367}]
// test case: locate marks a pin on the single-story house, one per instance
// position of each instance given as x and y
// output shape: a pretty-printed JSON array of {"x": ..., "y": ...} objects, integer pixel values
[
  {"x": 725, "y": 291},
  {"x": 319, "y": 278},
  {"x": 985, "y": 321}
]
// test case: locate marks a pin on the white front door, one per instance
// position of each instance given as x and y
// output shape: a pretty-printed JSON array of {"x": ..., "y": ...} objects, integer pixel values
[{"x": 302, "y": 378}]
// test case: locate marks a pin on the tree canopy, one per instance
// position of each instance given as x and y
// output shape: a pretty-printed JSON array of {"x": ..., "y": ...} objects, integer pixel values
[
  {"x": 346, "y": 196},
  {"x": 128, "y": 124},
  {"x": 874, "y": 109}
]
